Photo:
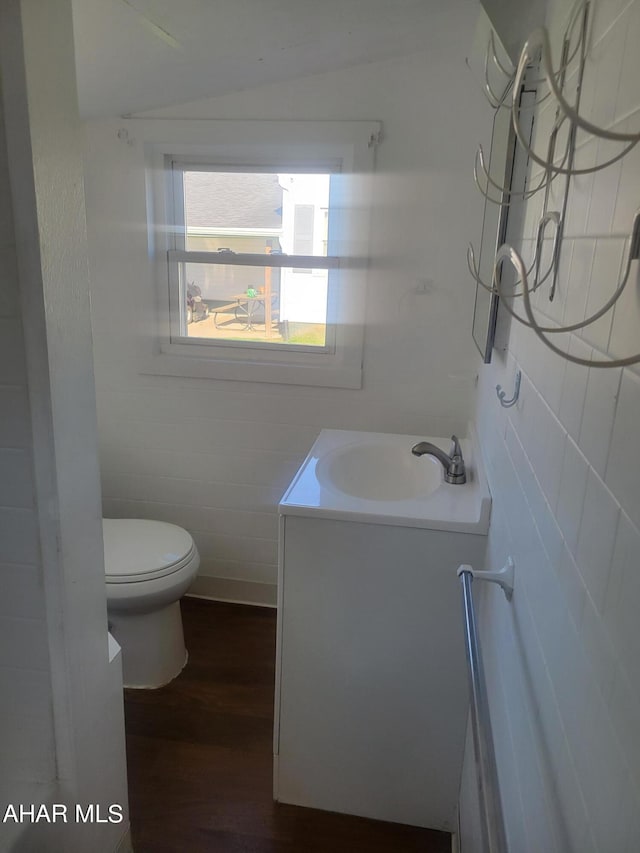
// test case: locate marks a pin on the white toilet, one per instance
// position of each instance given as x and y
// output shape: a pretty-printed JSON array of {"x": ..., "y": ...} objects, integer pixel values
[{"x": 149, "y": 565}]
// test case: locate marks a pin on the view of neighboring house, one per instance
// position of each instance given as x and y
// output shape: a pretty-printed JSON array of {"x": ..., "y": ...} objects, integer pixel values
[{"x": 258, "y": 212}]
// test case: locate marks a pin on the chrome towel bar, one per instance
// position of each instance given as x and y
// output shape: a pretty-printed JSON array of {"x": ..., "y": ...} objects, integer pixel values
[{"x": 493, "y": 833}]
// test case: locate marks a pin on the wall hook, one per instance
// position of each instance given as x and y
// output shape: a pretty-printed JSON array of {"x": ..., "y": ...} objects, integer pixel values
[
  {"x": 506, "y": 404},
  {"x": 504, "y": 577}
]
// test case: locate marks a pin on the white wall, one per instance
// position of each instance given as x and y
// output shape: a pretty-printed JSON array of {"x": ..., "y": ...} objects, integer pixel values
[
  {"x": 27, "y": 746},
  {"x": 216, "y": 456},
  {"x": 563, "y": 658},
  {"x": 61, "y": 712}
]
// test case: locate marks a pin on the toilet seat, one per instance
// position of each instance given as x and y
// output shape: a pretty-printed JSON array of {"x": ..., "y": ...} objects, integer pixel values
[{"x": 137, "y": 550}]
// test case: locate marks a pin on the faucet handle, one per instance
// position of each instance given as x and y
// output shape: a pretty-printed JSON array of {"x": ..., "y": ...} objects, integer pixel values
[
  {"x": 456, "y": 472},
  {"x": 456, "y": 450}
]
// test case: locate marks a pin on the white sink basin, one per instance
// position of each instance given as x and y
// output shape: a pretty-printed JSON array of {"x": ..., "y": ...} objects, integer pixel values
[
  {"x": 379, "y": 471},
  {"x": 374, "y": 478}
]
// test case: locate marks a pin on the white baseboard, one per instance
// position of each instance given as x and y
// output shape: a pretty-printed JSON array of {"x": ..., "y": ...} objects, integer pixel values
[{"x": 234, "y": 591}]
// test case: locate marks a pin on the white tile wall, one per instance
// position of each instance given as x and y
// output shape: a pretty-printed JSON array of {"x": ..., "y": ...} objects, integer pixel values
[
  {"x": 18, "y": 535},
  {"x": 607, "y": 262},
  {"x": 574, "y": 388},
  {"x": 625, "y": 713},
  {"x": 627, "y": 203},
  {"x": 573, "y": 484},
  {"x": 598, "y": 414},
  {"x": 623, "y": 469},
  {"x": 14, "y": 426},
  {"x": 22, "y": 587},
  {"x": 579, "y": 273},
  {"x": 26, "y": 742},
  {"x": 572, "y": 589},
  {"x": 620, "y": 611},
  {"x": 597, "y": 536},
  {"x": 16, "y": 486},
  {"x": 26, "y": 721},
  {"x": 569, "y": 665},
  {"x": 624, "y": 332},
  {"x": 217, "y": 456}
]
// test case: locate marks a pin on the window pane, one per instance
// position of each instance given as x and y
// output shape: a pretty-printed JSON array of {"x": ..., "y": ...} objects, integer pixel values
[
  {"x": 254, "y": 304},
  {"x": 256, "y": 212}
]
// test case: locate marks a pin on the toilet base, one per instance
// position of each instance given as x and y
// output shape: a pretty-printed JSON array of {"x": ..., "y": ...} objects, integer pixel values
[{"x": 153, "y": 650}]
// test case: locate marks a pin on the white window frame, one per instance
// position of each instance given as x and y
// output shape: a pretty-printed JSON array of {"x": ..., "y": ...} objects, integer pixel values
[{"x": 344, "y": 148}]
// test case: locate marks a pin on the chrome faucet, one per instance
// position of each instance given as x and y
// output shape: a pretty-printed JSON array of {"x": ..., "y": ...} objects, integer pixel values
[{"x": 453, "y": 464}]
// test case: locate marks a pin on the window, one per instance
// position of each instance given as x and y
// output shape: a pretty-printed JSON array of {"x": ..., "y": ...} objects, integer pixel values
[
  {"x": 259, "y": 238},
  {"x": 250, "y": 262}
]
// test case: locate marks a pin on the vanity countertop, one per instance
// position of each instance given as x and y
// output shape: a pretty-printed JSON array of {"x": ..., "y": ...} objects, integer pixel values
[{"x": 374, "y": 478}]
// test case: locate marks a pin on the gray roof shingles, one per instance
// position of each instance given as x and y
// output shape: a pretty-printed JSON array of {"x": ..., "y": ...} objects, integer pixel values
[{"x": 232, "y": 199}]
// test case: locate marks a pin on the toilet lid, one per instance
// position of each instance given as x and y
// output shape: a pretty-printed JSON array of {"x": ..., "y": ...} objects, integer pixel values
[{"x": 139, "y": 549}]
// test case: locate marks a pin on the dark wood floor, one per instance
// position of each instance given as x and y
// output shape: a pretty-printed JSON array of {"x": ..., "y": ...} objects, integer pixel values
[{"x": 199, "y": 753}]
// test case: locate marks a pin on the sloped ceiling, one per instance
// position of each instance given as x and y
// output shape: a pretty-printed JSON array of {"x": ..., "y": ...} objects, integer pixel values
[{"x": 133, "y": 55}]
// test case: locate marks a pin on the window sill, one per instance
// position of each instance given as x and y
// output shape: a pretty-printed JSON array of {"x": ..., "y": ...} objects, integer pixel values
[{"x": 331, "y": 372}]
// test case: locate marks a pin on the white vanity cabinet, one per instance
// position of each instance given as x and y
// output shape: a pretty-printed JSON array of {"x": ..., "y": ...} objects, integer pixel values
[{"x": 371, "y": 693}]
